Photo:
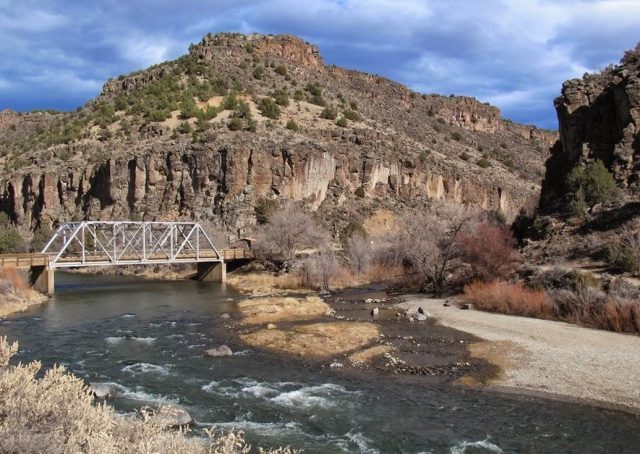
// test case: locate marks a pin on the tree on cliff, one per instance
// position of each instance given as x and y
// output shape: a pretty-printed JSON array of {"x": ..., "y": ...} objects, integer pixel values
[
  {"x": 10, "y": 239},
  {"x": 590, "y": 185},
  {"x": 288, "y": 230}
]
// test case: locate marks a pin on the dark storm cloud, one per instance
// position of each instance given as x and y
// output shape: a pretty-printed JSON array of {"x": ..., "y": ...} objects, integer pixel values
[{"x": 57, "y": 54}]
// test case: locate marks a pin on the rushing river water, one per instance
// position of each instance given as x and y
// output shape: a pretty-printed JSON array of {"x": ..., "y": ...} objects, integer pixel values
[{"x": 147, "y": 338}]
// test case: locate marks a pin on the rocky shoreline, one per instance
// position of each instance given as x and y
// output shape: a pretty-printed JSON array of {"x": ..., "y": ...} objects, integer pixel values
[{"x": 359, "y": 331}]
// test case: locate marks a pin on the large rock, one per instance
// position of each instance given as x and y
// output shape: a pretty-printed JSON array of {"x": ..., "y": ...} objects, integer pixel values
[
  {"x": 223, "y": 350},
  {"x": 173, "y": 416},
  {"x": 101, "y": 390}
]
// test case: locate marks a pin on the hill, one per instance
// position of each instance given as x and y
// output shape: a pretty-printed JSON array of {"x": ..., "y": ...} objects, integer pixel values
[{"x": 242, "y": 120}]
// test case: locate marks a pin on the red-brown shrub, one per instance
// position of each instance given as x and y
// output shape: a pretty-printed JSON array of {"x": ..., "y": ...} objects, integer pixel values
[
  {"x": 14, "y": 276},
  {"x": 512, "y": 299},
  {"x": 490, "y": 250}
]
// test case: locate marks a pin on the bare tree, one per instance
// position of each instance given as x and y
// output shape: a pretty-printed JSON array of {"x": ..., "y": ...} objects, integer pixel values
[
  {"x": 428, "y": 241},
  {"x": 287, "y": 230},
  {"x": 359, "y": 253},
  {"x": 319, "y": 270}
]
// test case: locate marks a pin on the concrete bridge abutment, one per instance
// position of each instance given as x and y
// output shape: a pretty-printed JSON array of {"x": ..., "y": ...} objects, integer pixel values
[
  {"x": 42, "y": 278},
  {"x": 212, "y": 272}
]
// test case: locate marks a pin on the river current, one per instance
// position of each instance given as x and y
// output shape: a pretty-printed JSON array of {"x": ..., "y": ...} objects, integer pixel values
[{"x": 147, "y": 339}]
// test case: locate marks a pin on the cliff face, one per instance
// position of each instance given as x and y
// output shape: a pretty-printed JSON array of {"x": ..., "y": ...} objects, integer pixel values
[
  {"x": 599, "y": 118},
  {"x": 114, "y": 162}
]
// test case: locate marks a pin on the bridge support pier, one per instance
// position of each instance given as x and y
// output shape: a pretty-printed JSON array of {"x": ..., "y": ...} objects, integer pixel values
[
  {"x": 42, "y": 278},
  {"x": 212, "y": 271}
]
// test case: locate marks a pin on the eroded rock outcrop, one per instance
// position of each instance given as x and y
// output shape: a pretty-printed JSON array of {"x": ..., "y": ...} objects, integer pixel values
[
  {"x": 112, "y": 160},
  {"x": 599, "y": 119}
]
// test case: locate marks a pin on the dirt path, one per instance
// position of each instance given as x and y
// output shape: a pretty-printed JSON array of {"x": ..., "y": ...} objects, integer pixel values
[{"x": 549, "y": 357}]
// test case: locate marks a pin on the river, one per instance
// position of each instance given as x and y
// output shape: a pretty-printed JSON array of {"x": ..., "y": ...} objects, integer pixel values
[{"x": 147, "y": 338}]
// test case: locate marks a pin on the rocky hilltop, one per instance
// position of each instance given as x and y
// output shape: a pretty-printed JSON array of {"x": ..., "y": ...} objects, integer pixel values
[
  {"x": 243, "y": 119},
  {"x": 599, "y": 119}
]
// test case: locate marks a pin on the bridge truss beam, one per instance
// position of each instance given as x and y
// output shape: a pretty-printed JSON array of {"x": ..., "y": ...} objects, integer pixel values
[{"x": 99, "y": 243}]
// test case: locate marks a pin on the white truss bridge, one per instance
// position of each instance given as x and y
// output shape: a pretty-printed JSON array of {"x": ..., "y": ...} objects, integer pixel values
[{"x": 101, "y": 243}]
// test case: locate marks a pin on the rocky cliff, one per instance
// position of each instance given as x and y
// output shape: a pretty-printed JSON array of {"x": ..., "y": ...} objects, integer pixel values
[
  {"x": 599, "y": 119},
  {"x": 135, "y": 152}
]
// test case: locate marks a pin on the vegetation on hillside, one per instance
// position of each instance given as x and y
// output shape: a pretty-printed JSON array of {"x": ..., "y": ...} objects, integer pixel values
[{"x": 53, "y": 411}]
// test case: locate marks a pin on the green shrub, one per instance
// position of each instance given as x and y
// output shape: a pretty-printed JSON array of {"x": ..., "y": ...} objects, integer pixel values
[
  {"x": 281, "y": 70},
  {"x": 281, "y": 97},
  {"x": 235, "y": 124},
  {"x": 342, "y": 122},
  {"x": 298, "y": 95},
  {"x": 264, "y": 209},
  {"x": 360, "y": 192},
  {"x": 484, "y": 163},
  {"x": 464, "y": 156},
  {"x": 293, "y": 126},
  {"x": 329, "y": 114},
  {"x": 314, "y": 89},
  {"x": 185, "y": 128},
  {"x": 353, "y": 105},
  {"x": 351, "y": 115},
  {"x": 456, "y": 136},
  {"x": 258, "y": 73},
  {"x": 592, "y": 184},
  {"x": 269, "y": 108},
  {"x": 11, "y": 241},
  {"x": 230, "y": 102}
]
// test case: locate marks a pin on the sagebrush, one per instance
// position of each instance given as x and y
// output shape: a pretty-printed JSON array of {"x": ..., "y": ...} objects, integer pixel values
[{"x": 57, "y": 414}]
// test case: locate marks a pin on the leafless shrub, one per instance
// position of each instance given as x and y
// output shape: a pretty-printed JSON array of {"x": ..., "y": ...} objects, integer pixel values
[
  {"x": 56, "y": 414},
  {"x": 319, "y": 270},
  {"x": 288, "y": 230},
  {"x": 490, "y": 250},
  {"x": 622, "y": 289},
  {"x": 427, "y": 242},
  {"x": 359, "y": 253}
]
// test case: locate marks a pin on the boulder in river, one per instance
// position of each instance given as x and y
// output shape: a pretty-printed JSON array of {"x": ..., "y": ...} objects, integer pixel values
[
  {"x": 101, "y": 390},
  {"x": 421, "y": 317},
  {"x": 271, "y": 326},
  {"x": 225, "y": 316},
  {"x": 223, "y": 350},
  {"x": 466, "y": 306},
  {"x": 173, "y": 416}
]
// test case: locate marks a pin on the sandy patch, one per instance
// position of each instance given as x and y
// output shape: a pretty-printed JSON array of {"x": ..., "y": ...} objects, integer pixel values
[
  {"x": 317, "y": 340},
  {"x": 258, "y": 284},
  {"x": 276, "y": 309},
  {"x": 381, "y": 222},
  {"x": 549, "y": 357},
  {"x": 369, "y": 354}
]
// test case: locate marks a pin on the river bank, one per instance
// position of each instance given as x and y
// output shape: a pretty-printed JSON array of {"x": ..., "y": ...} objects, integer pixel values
[
  {"x": 15, "y": 295},
  {"x": 352, "y": 330},
  {"x": 548, "y": 358},
  {"x": 147, "y": 338},
  {"x": 445, "y": 344}
]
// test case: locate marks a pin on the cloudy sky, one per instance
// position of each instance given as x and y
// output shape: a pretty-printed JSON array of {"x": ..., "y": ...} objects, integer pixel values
[{"x": 512, "y": 53}]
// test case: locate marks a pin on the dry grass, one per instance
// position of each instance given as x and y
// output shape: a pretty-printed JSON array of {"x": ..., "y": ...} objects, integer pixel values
[
  {"x": 56, "y": 414},
  {"x": 15, "y": 294},
  {"x": 276, "y": 309},
  {"x": 14, "y": 277},
  {"x": 584, "y": 306},
  {"x": 512, "y": 299},
  {"x": 265, "y": 283},
  {"x": 316, "y": 340}
]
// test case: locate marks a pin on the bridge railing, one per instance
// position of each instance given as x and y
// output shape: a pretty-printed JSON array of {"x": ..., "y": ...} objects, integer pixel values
[{"x": 92, "y": 243}]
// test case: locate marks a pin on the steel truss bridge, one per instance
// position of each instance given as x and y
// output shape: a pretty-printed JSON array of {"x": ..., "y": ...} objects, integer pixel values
[{"x": 112, "y": 243}]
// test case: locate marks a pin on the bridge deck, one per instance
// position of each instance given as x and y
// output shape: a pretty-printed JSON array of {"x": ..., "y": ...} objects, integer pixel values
[{"x": 38, "y": 259}]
